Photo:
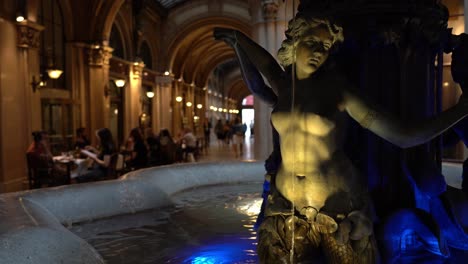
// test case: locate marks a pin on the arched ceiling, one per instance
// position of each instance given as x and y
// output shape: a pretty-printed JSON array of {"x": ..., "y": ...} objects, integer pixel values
[
  {"x": 235, "y": 87},
  {"x": 168, "y": 4},
  {"x": 194, "y": 52}
]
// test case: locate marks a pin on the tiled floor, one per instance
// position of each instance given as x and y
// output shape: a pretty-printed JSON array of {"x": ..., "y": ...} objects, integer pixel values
[{"x": 219, "y": 151}]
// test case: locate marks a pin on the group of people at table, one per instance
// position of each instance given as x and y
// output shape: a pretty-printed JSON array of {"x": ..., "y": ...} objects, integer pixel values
[{"x": 88, "y": 163}]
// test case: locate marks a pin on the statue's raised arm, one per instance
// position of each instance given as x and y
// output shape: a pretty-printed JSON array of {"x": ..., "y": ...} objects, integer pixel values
[
  {"x": 253, "y": 60},
  {"x": 414, "y": 133}
]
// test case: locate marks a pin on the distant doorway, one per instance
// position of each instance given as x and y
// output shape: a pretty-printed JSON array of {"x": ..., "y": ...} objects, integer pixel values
[
  {"x": 248, "y": 118},
  {"x": 248, "y": 114}
]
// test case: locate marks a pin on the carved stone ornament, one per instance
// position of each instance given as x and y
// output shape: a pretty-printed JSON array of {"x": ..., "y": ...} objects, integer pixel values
[
  {"x": 99, "y": 55},
  {"x": 270, "y": 9},
  {"x": 137, "y": 69},
  {"x": 28, "y": 34}
]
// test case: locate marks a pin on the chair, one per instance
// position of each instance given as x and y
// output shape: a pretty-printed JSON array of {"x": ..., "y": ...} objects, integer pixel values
[
  {"x": 116, "y": 166},
  {"x": 37, "y": 174}
]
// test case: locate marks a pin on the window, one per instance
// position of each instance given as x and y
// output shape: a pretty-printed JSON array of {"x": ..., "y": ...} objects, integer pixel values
[
  {"x": 52, "y": 51},
  {"x": 57, "y": 121},
  {"x": 115, "y": 41},
  {"x": 146, "y": 55}
]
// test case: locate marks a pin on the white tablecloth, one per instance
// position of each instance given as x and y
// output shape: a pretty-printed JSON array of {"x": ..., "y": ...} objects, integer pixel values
[{"x": 82, "y": 165}]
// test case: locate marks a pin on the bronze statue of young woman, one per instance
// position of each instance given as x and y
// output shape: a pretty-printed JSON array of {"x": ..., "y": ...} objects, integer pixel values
[{"x": 319, "y": 204}]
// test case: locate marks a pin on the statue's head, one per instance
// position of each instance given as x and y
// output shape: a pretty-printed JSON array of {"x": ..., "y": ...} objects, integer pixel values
[{"x": 309, "y": 34}]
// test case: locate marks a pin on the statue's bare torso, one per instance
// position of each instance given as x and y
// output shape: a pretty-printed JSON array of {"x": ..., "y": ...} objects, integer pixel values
[{"x": 314, "y": 171}]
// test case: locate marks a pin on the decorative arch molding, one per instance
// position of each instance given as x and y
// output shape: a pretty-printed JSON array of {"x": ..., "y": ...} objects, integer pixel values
[
  {"x": 106, "y": 13},
  {"x": 180, "y": 45},
  {"x": 67, "y": 19},
  {"x": 125, "y": 35},
  {"x": 237, "y": 90},
  {"x": 145, "y": 41},
  {"x": 211, "y": 65}
]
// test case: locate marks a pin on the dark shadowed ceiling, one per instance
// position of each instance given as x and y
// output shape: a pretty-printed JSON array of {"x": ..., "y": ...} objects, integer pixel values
[{"x": 169, "y": 3}]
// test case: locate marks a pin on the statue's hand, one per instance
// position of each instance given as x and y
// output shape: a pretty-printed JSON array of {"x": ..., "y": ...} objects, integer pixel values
[
  {"x": 228, "y": 35},
  {"x": 460, "y": 62}
]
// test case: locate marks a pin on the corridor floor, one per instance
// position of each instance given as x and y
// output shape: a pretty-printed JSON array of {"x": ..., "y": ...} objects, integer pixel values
[{"x": 220, "y": 151}]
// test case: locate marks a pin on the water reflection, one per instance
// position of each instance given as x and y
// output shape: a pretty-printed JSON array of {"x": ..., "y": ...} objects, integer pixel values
[{"x": 205, "y": 225}]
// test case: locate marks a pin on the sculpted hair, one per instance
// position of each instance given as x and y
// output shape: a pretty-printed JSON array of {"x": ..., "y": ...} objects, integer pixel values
[{"x": 296, "y": 29}]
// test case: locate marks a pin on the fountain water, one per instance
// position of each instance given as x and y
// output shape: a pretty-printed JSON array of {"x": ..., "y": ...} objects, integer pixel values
[{"x": 33, "y": 227}]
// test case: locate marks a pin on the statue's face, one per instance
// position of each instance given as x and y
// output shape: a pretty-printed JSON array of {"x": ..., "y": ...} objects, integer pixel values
[{"x": 312, "y": 51}]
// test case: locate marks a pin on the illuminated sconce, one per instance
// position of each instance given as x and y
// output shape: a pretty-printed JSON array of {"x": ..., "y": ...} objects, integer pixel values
[
  {"x": 199, "y": 106},
  {"x": 20, "y": 18},
  {"x": 54, "y": 73},
  {"x": 20, "y": 11},
  {"x": 178, "y": 99},
  {"x": 36, "y": 84},
  {"x": 119, "y": 83},
  {"x": 150, "y": 94},
  {"x": 189, "y": 104},
  {"x": 166, "y": 73}
]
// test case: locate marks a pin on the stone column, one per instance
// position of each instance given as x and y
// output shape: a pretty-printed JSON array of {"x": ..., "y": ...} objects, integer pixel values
[
  {"x": 19, "y": 105},
  {"x": 165, "y": 104},
  {"x": 97, "y": 97},
  {"x": 270, "y": 19},
  {"x": 176, "y": 107},
  {"x": 132, "y": 98}
]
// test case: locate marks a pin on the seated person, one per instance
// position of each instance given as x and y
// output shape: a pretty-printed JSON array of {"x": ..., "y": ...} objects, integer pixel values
[
  {"x": 100, "y": 168},
  {"x": 40, "y": 159},
  {"x": 138, "y": 157},
  {"x": 153, "y": 147},
  {"x": 81, "y": 139},
  {"x": 167, "y": 147}
]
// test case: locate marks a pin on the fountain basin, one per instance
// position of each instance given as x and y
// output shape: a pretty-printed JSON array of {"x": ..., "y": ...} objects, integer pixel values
[{"x": 33, "y": 223}]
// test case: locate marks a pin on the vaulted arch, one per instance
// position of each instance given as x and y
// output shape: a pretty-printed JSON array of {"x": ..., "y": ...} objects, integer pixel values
[{"x": 194, "y": 52}]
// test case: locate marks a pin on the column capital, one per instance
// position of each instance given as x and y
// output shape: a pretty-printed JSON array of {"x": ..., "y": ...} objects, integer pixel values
[
  {"x": 28, "y": 34},
  {"x": 137, "y": 69},
  {"x": 270, "y": 9},
  {"x": 99, "y": 55}
]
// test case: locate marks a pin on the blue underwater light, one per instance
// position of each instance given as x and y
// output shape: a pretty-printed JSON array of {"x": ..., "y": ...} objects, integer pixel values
[{"x": 237, "y": 250}]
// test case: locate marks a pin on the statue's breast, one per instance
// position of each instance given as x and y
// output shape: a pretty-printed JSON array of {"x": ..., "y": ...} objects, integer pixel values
[{"x": 309, "y": 123}]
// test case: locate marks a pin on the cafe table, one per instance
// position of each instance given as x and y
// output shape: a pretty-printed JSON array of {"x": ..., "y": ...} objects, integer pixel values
[{"x": 81, "y": 165}]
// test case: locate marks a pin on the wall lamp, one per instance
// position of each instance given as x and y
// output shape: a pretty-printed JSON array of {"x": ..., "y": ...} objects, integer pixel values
[
  {"x": 178, "y": 99},
  {"x": 150, "y": 94},
  {"x": 54, "y": 73},
  {"x": 36, "y": 84},
  {"x": 20, "y": 18},
  {"x": 119, "y": 83}
]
